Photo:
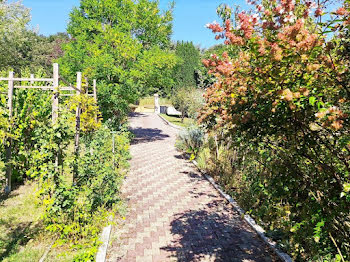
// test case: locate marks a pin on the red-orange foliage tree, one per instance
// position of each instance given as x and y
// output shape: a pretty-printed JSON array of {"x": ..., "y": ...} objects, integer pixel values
[{"x": 285, "y": 99}]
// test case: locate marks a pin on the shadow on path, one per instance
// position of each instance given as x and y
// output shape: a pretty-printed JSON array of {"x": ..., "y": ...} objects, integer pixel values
[
  {"x": 145, "y": 135},
  {"x": 137, "y": 115},
  {"x": 202, "y": 234},
  {"x": 214, "y": 231}
]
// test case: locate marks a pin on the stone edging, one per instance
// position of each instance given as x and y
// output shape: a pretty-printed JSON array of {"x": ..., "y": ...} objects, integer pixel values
[
  {"x": 258, "y": 229},
  {"x": 102, "y": 250},
  {"x": 170, "y": 124}
]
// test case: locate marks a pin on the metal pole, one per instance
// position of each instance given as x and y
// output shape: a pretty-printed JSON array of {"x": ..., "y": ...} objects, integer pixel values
[{"x": 156, "y": 104}]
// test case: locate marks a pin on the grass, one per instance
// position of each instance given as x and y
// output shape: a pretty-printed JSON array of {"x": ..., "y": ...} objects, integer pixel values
[
  {"x": 149, "y": 102},
  {"x": 146, "y": 104},
  {"x": 177, "y": 120},
  {"x": 20, "y": 226},
  {"x": 22, "y": 235}
]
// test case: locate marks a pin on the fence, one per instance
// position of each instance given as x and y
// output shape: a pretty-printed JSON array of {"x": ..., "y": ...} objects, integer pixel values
[{"x": 56, "y": 89}]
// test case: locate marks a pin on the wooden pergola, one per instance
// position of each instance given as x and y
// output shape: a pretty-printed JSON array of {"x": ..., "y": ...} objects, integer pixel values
[{"x": 52, "y": 85}]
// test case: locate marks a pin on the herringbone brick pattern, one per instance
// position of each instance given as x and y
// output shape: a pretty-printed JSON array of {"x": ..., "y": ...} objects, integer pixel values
[{"x": 174, "y": 213}]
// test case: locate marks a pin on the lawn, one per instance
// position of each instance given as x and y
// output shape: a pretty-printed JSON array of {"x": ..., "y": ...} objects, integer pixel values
[
  {"x": 22, "y": 235},
  {"x": 146, "y": 104},
  {"x": 149, "y": 101},
  {"x": 177, "y": 120}
]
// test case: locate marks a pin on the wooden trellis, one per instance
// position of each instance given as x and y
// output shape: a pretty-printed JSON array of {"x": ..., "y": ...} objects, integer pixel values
[{"x": 53, "y": 85}]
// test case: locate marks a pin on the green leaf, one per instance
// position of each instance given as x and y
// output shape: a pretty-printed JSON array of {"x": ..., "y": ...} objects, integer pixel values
[{"x": 312, "y": 100}]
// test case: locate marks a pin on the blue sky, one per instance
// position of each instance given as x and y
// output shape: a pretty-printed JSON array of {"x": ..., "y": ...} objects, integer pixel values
[{"x": 51, "y": 16}]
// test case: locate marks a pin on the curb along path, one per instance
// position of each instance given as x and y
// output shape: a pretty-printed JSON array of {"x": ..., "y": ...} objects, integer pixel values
[{"x": 174, "y": 213}]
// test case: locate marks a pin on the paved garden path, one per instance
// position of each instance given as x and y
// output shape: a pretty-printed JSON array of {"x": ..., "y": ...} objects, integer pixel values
[{"x": 174, "y": 213}]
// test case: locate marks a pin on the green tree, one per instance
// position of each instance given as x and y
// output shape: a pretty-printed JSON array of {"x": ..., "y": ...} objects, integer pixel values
[
  {"x": 188, "y": 101},
  {"x": 185, "y": 71},
  {"x": 14, "y": 18},
  {"x": 154, "y": 71},
  {"x": 110, "y": 40},
  {"x": 21, "y": 47},
  {"x": 45, "y": 50}
]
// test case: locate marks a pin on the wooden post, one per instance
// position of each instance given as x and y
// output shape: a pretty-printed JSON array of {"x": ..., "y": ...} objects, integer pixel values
[
  {"x": 95, "y": 97},
  {"x": 77, "y": 130},
  {"x": 32, "y": 81},
  {"x": 113, "y": 147},
  {"x": 156, "y": 104},
  {"x": 9, "y": 140},
  {"x": 55, "y": 93},
  {"x": 95, "y": 90}
]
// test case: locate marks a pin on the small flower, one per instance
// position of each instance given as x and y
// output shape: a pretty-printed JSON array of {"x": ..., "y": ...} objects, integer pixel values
[
  {"x": 318, "y": 12},
  {"x": 287, "y": 95},
  {"x": 341, "y": 11},
  {"x": 267, "y": 12},
  {"x": 260, "y": 8},
  {"x": 338, "y": 124},
  {"x": 320, "y": 115}
]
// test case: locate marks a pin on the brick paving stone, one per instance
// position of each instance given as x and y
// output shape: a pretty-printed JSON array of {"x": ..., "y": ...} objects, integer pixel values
[{"x": 174, "y": 214}]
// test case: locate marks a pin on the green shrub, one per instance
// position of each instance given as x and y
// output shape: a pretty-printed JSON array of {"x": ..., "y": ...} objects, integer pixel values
[
  {"x": 263, "y": 186},
  {"x": 188, "y": 101},
  {"x": 190, "y": 140},
  {"x": 78, "y": 211}
]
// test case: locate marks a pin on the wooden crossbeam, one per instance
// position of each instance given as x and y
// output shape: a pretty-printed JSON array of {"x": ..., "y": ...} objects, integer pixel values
[
  {"x": 27, "y": 79},
  {"x": 65, "y": 88},
  {"x": 35, "y": 87},
  {"x": 74, "y": 94}
]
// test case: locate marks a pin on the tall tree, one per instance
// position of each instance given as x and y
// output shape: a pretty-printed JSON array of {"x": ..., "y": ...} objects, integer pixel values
[
  {"x": 109, "y": 38},
  {"x": 154, "y": 71},
  {"x": 45, "y": 50},
  {"x": 14, "y": 18},
  {"x": 190, "y": 61},
  {"x": 22, "y": 47}
]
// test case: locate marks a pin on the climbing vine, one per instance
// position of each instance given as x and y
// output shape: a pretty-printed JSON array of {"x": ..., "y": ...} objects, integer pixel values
[{"x": 74, "y": 211}]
